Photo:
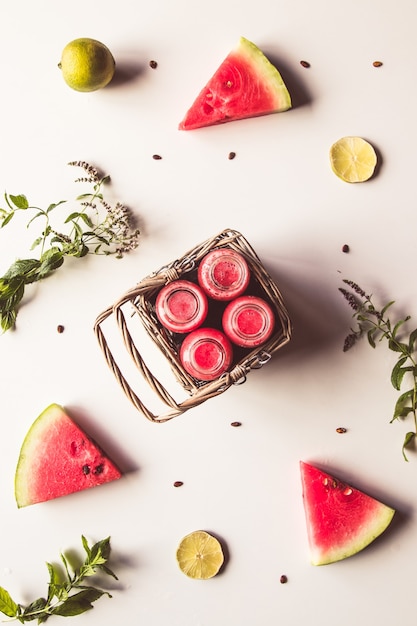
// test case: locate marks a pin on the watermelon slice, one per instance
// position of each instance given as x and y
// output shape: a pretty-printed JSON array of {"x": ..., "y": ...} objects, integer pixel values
[
  {"x": 245, "y": 85},
  {"x": 341, "y": 520},
  {"x": 58, "y": 458}
]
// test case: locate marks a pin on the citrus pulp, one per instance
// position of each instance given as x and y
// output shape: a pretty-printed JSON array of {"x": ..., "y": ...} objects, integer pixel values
[
  {"x": 200, "y": 555},
  {"x": 353, "y": 159}
]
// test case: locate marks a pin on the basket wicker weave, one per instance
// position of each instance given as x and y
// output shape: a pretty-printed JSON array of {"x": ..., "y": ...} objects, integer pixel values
[{"x": 142, "y": 299}]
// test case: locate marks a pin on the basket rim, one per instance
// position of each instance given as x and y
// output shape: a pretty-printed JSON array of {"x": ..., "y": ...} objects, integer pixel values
[{"x": 140, "y": 300}]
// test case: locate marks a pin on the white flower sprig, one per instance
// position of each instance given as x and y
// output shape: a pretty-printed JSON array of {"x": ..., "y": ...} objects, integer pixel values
[{"x": 95, "y": 227}]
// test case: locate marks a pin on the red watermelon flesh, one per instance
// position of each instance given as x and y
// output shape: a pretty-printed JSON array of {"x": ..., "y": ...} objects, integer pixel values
[
  {"x": 341, "y": 520},
  {"x": 245, "y": 85},
  {"x": 58, "y": 458}
]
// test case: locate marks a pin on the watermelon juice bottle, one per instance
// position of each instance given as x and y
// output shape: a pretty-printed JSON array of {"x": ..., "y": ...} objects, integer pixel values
[
  {"x": 206, "y": 353},
  {"x": 248, "y": 321},
  {"x": 223, "y": 274},
  {"x": 181, "y": 306}
]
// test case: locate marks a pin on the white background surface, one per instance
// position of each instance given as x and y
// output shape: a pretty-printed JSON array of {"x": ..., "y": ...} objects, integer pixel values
[{"x": 240, "y": 483}]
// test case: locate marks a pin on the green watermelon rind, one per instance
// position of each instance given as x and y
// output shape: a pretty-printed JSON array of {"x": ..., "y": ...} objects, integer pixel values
[
  {"x": 30, "y": 451},
  {"x": 265, "y": 74},
  {"x": 268, "y": 71},
  {"x": 380, "y": 518}
]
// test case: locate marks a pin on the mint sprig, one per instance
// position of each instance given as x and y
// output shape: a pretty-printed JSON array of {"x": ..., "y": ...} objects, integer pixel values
[
  {"x": 376, "y": 325},
  {"x": 66, "y": 597},
  {"x": 93, "y": 226}
]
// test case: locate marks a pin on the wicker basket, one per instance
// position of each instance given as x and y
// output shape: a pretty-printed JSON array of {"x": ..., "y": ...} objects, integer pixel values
[{"x": 141, "y": 300}]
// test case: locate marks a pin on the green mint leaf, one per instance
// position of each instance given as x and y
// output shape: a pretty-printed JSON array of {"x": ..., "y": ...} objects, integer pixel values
[
  {"x": 398, "y": 325},
  {"x": 397, "y": 346},
  {"x": 100, "y": 550},
  {"x": 20, "y": 268},
  {"x": 82, "y": 251},
  {"x": 90, "y": 594},
  {"x": 408, "y": 439},
  {"x": 78, "y": 603},
  {"x": 402, "y": 406},
  {"x": 54, "y": 577},
  {"x": 412, "y": 340},
  {"x": 36, "y": 243},
  {"x": 387, "y": 306},
  {"x": 7, "y": 219},
  {"x": 20, "y": 201},
  {"x": 108, "y": 571},
  {"x": 371, "y": 337},
  {"x": 7, "y": 605},
  {"x": 50, "y": 261},
  {"x": 85, "y": 545},
  {"x": 72, "y": 216},
  {"x": 7, "y": 320},
  {"x": 87, "y": 220},
  {"x": 53, "y": 206},
  {"x": 54, "y": 580},
  {"x": 398, "y": 372},
  {"x": 80, "y": 215},
  {"x": 34, "y": 610},
  {"x": 66, "y": 566}
]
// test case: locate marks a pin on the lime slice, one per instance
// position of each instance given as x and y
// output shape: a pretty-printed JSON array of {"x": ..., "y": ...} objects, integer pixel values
[
  {"x": 353, "y": 159},
  {"x": 200, "y": 555}
]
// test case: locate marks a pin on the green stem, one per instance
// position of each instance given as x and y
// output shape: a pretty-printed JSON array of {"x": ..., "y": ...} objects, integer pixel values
[{"x": 384, "y": 326}]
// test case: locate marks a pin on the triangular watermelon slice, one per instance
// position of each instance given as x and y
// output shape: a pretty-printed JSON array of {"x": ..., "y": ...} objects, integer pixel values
[
  {"x": 245, "y": 85},
  {"x": 341, "y": 520},
  {"x": 58, "y": 458}
]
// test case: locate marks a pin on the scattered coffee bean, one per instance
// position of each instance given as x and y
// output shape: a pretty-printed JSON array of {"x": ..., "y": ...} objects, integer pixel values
[
  {"x": 231, "y": 155},
  {"x": 178, "y": 483},
  {"x": 345, "y": 248},
  {"x": 153, "y": 64},
  {"x": 377, "y": 63},
  {"x": 305, "y": 63},
  {"x": 157, "y": 157},
  {"x": 341, "y": 430},
  {"x": 60, "y": 328},
  {"x": 236, "y": 424},
  {"x": 283, "y": 579}
]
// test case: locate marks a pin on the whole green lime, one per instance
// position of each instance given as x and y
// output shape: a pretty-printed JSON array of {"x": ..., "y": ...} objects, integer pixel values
[{"x": 87, "y": 64}]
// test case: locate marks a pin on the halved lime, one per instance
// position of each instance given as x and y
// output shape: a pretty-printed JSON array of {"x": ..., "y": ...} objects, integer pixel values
[
  {"x": 353, "y": 159},
  {"x": 200, "y": 555}
]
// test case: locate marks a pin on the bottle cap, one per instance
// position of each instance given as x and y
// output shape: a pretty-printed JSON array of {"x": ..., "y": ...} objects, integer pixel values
[
  {"x": 181, "y": 306},
  {"x": 206, "y": 353},
  {"x": 248, "y": 321},
  {"x": 223, "y": 274}
]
